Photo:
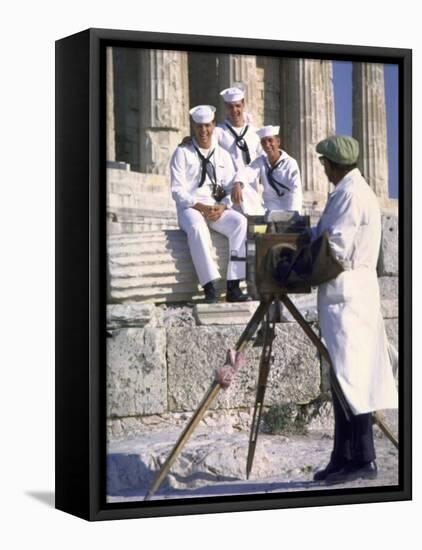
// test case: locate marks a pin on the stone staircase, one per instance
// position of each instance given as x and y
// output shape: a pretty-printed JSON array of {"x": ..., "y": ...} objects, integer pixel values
[{"x": 156, "y": 266}]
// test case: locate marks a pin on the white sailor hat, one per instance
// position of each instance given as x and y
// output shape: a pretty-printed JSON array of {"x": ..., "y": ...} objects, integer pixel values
[
  {"x": 267, "y": 131},
  {"x": 232, "y": 94},
  {"x": 202, "y": 114}
]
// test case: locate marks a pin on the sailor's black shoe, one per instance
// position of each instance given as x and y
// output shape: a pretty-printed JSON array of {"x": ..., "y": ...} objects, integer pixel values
[
  {"x": 353, "y": 471},
  {"x": 234, "y": 294},
  {"x": 210, "y": 293}
]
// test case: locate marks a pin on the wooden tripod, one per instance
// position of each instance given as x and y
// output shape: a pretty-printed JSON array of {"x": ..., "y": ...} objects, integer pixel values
[{"x": 243, "y": 342}]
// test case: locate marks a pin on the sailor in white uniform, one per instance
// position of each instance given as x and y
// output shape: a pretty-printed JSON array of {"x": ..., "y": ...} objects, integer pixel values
[
  {"x": 350, "y": 312},
  {"x": 278, "y": 173},
  {"x": 238, "y": 136},
  {"x": 201, "y": 177}
]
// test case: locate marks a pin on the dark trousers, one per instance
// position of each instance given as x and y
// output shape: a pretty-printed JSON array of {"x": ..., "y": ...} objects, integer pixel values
[{"x": 353, "y": 439}]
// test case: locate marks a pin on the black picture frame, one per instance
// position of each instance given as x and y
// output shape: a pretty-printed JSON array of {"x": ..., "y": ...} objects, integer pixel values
[{"x": 81, "y": 277}]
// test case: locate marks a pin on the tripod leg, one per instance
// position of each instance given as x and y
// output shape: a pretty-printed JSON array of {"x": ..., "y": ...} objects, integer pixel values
[
  {"x": 380, "y": 421},
  {"x": 264, "y": 369},
  {"x": 321, "y": 348},
  {"x": 207, "y": 400}
]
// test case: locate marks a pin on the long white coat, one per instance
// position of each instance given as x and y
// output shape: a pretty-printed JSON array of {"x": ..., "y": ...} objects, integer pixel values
[{"x": 349, "y": 306}]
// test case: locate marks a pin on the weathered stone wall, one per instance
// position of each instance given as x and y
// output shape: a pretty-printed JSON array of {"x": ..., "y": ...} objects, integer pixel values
[
  {"x": 161, "y": 359},
  {"x": 137, "y": 202}
]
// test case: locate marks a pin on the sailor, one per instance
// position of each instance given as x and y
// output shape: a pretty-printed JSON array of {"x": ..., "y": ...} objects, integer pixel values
[
  {"x": 236, "y": 134},
  {"x": 278, "y": 172},
  {"x": 201, "y": 175},
  {"x": 350, "y": 312}
]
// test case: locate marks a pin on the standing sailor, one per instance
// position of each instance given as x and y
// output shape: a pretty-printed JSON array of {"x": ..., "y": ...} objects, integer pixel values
[
  {"x": 350, "y": 312},
  {"x": 201, "y": 176},
  {"x": 278, "y": 172},
  {"x": 238, "y": 136}
]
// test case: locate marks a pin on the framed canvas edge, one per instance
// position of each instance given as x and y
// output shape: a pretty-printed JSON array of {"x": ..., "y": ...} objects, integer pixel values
[{"x": 93, "y": 445}]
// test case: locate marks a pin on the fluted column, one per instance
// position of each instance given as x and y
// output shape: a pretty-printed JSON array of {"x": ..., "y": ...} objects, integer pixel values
[
  {"x": 241, "y": 70},
  {"x": 164, "y": 106},
  {"x": 370, "y": 124},
  {"x": 111, "y": 139},
  {"x": 307, "y": 116}
]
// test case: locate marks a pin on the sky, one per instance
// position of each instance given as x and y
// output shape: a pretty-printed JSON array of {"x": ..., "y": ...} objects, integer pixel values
[{"x": 342, "y": 72}]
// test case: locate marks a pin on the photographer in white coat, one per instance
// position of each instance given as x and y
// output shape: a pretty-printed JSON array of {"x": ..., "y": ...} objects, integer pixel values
[
  {"x": 350, "y": 312},
  {"x": 277, "y": 171},
  {"x": 201, "y": 178}
]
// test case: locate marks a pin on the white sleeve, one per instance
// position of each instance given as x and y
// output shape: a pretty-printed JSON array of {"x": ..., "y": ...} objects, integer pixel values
[
  {"x": 249, "y": 173},
  {"x": 178, "y": 180},
  {"x": 342, "y": 221},
  {"x": 295, "y": 186}
]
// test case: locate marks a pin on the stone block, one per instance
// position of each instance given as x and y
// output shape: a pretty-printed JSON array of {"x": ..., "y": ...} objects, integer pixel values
[
  {"x": 136, "y": 372},
  {"x": 388, "y": 264},
  {"x": 392, "y": 330},
  {"x": 306, "y": 304},
  {"x": 390, "y": 309},
  {"x": 224, "y": 313},
  {"x": 389, "y": 288},
  {"x": 133, "y": 315},
  {"x": 194, "y": 353},
  {"x": 156, "y": 266}
]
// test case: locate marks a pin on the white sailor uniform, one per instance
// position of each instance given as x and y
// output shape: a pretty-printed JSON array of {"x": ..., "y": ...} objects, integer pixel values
[
  {"x": 186, "y": 170},
  {"x": 244, "y": 146},
  {"x": 282, "y": 183}
]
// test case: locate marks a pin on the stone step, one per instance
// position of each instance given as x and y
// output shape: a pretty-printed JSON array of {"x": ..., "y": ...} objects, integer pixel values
[{"x": 156, "y": 266}]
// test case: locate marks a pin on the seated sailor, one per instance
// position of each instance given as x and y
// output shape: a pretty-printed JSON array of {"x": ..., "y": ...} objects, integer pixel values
[
  {"x": 201, "y": 175},
  {"x": 279, "y": 174}
]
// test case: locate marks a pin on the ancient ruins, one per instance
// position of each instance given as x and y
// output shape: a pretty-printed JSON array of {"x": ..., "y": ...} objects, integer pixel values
[{"x": 164, "y": 348}]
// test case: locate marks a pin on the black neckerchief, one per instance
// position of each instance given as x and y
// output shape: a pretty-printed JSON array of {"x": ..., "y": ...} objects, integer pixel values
[
  {"x": 207, "y": 168},
  {"x": 240, "y": 142},
  {"x": 272, "y": 181}
]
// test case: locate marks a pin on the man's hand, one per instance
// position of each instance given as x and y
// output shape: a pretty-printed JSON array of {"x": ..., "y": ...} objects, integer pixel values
[
  {"x": 215, "y": 212},
  {"x": 237, "y": 193}
]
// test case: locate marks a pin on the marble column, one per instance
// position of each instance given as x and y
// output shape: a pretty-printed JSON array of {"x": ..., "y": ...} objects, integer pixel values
[
  {"x": 111, "y": 139},
  {"x": 307, "y": 116},
  {"x": 268, "y": 76},
  {"x": 164, "y": 107},
  {"x": 203, "y": 80},
  {"x": 370, "y": 125},
  {"x": 241, "y": 70}
]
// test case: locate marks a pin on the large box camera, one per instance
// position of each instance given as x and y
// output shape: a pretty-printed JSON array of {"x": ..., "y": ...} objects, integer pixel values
[{"x": 274, "y": 228}]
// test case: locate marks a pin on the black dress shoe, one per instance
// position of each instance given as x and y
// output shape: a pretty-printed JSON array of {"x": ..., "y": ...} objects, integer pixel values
[
  {"x": 353, "y": 471},
  {"x": 331, "y": 468},
  {"x": 234, "y": 294},
  {"x": 210, "y": 293}
]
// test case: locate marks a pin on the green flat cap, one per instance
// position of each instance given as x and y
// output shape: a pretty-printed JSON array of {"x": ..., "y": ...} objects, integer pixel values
[{"x": 339, "y": 149}]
